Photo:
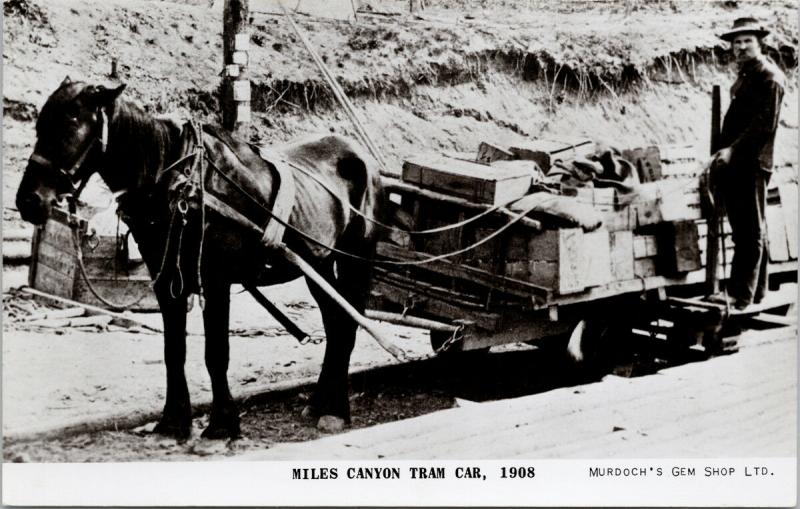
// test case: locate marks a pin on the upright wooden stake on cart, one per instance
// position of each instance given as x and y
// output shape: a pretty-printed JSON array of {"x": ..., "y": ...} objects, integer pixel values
[
  {"x": 713, "y": 209},
  {"x": 236, "y": 81}
]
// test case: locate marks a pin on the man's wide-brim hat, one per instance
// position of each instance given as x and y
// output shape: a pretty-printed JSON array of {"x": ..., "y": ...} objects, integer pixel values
[{"x": 745, "y": 26}]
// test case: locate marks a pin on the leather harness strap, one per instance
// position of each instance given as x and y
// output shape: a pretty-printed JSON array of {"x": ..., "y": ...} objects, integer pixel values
[{"x": 284, "y": 198}]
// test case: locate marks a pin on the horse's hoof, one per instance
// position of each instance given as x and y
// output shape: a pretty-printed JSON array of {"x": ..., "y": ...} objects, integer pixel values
[
  {"x": 172, "y": 429},
  {"x": 223, "y": 423},
  {"x": 330, "y": 424},
  {"x": 221, "y": 432},
  {"x": 308, "y": 413}
]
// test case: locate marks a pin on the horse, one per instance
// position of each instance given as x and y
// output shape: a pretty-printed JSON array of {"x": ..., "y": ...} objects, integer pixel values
[{"x": 151, "y": 164}]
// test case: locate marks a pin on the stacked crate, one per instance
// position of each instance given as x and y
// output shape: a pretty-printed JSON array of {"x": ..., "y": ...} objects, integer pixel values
[{"x": 658, "y": 231}]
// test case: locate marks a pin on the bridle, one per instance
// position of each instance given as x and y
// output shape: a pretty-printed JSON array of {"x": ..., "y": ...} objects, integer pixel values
[{"x": 70, "y": 174}]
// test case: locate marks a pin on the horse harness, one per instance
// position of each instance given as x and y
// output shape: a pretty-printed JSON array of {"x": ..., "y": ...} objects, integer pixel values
[
  {"x": 186, "y": 190},
  {"x": 70, "y": 174}
]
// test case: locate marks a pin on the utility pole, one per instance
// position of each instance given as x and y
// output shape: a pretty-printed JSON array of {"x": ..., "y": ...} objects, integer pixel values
[{"x": 236, "y": 80}]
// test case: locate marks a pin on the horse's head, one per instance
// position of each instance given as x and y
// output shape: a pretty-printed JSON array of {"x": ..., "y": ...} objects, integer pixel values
[{"x": 71, "y": 132}]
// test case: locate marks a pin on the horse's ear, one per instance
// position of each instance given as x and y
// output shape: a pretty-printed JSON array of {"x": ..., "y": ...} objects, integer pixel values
[
  {"x": 106, "y": 96},
  {"x": 66, "y": 81}
]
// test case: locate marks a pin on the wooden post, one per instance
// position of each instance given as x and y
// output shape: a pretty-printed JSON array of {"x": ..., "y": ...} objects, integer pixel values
[
  {"x": 716, "y": 115},
  {"x": 712, "y": 209},
  {"x": 236, "y": 81}
]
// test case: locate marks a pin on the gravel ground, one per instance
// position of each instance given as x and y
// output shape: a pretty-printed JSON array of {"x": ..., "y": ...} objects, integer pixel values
[{"x": 64, "y": 377}]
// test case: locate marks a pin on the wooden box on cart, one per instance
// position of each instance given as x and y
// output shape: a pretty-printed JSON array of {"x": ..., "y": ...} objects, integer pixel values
[{"x": 55, "y": 269}]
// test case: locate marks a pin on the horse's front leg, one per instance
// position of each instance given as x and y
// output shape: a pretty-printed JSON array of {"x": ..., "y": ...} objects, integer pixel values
[
  {"x": 176, "y": 419},
  {"x": 224, "y": 420}
]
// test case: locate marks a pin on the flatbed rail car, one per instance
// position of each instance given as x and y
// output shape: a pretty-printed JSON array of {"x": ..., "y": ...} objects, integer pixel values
[{"x": 531, "y": 284}]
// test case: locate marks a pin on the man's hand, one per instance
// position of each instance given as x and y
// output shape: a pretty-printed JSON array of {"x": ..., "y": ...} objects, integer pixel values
[{"x": 722, "y": 157}]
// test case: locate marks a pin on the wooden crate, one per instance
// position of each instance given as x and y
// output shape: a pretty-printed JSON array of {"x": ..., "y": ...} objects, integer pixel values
[
  {"x": 544, "y": 152},
  {"x": 476, "y": 182},
  {"x": 680, "y": 247},
  {"x": 647, "y": 161},
  {"x": 568, "y": 260},
  {"x": 491, "y": 152},
  {"x": 54, "y": 267}
]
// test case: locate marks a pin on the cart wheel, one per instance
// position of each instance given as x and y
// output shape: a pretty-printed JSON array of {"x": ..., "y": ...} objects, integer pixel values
[
  {"x": 438, "y": 338},
  {"x": 724, "y": 341},
  {"x": 600, "y": 344}
]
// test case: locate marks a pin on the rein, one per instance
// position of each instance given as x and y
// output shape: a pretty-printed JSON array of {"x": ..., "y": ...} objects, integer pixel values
[
  {"x": 84, "y": 275},
  {"x": 516, "y": 217},
  {"x": 196, "y": 175}
]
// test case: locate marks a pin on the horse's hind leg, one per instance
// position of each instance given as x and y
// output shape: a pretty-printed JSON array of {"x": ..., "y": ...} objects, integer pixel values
[
  {"x": 224, "y": 420},
  {"x": 176, "y": 420},
  {"x": 330, "y": 401}
]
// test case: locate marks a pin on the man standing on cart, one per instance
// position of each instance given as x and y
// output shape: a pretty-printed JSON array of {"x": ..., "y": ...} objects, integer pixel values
[{"x": 744, "y": 163}]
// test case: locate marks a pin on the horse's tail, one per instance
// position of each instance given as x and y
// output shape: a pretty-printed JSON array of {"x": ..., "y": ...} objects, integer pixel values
[{"x": 366, "y": 192}]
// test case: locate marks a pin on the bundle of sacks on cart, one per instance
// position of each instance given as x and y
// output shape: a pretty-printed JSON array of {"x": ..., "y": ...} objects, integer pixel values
[
  {"x": 621, "y": 189},
  {"x": 610, "y": 214}
]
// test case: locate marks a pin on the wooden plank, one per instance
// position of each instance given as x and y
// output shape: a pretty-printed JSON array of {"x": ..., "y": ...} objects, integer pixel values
[
  {"x": 776, "y": 232},
  {"x": 572, "y": 261},
  {"x": 105, "y": 268},
  {"x": 137, "y": 295},
  {"x": 421, "y": 289},
  {"x": 788, "y": 195},
  {"x": 644, "y": 246},
  {"x": 471, "y": 274},
  {"x": 645, "y": 409},
  {"x": 57, "y": 259},
  {"x": 597, "y": 249},
  {"x": 496, "y": 186},
  {"x": 621, "y": 255},
  {"x": 644, "y": 267},
  {"x": 57, "y": 234},
  {"x": 51, "y": 281},
  {"x": 517, "y": 270},
  {"x": 60, "y": 236},
  {"x": 122, "y": 319},
  {"x": 432, "y": 306}
]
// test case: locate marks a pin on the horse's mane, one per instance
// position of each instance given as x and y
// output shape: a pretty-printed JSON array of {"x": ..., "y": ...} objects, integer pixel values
[{"x": 139, "y": 146}]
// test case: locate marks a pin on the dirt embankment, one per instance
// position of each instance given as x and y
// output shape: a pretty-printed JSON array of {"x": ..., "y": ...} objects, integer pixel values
[{"x": 445, "y": 79}]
